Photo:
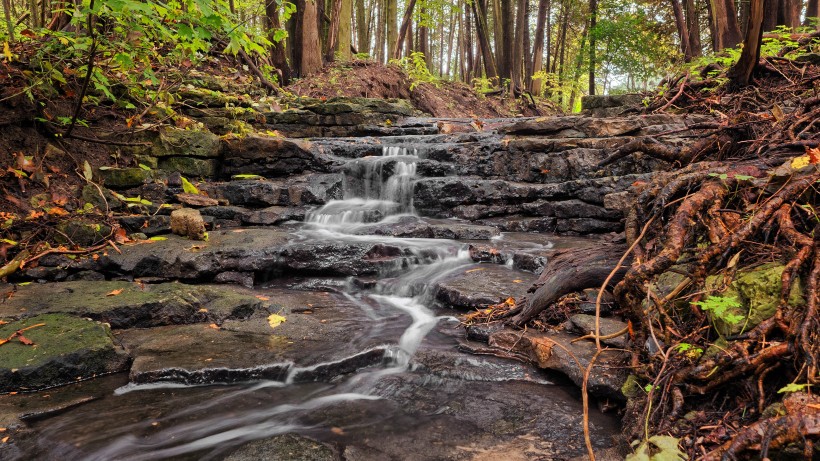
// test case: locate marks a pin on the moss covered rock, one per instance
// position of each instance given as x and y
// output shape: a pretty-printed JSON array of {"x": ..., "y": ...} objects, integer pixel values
[
  {"x": 123, "y": 178},
  {"x": 85, "y": 234},
  {"x": 197, "y": 142},
  {"x": 752, "y": 297},
  {"x": 63, "y": 349},
  {"x": 189, "y": 166}
]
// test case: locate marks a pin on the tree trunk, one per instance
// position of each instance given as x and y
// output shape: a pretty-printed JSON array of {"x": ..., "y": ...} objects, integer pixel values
[
  {"x": 812, "y": 11},
  {"x": 380, "y": 32},
  {"x": 405, "y": 25},
  {"x": 310, "y": 60},
  {"x": 507, "y": 39},
  {"x": 362, "y": 43},
  {"x": 483, "y": 40},
  {"x": 392, "y": 25},
  {"x": 498, "y": 31},
  {"x": 277, "y": 51},
  {"x": 693, "y": 24},
  {"x": 9, "y": 22},
  {"x": 538, "y": 48},
  {"x": 527, "y": 56},
  {"x": 517, "y": 76},
  {"x": 424, "y": 39},
  {"x": 593, "y": 21},
  {"x": 333, "y": 31},
  {"x": 345, "y": 35},
  {"x": 741, "y": 73},
  {"x": 683, "y": 30},
  {"x": 726, "y": 28}
]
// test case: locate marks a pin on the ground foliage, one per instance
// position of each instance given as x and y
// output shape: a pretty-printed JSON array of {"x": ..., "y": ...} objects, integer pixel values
[{"x": 742, "y": 197}]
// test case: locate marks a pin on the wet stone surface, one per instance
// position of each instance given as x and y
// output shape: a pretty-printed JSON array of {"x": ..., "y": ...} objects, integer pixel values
[{"x": 481, "y": 285}]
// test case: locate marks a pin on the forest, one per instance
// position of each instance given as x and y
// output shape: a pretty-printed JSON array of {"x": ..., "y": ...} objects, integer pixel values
[{"x": 416, "y": 229}]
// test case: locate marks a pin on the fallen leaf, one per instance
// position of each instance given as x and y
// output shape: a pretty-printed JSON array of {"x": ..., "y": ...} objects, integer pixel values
[
  {"x": 517, "y": 281},
  {"x": 57, "y": 211},
  {"x": 814, "y": 155},
  {"x": 274, "y": 320},
  {"x": 337, "y": 430},
  {"x": 4, "y": 439},
  {"x": 800, "y": 162},
  {"x": 262, "y": 298},
  {"x": 25, "y": 340},
  {"x": 120, "y": 237},
  {"x": 115, "y": 292},
  {"x": 213, "y": 326},
  {"x": 473, "y": 270},
  {"x": 202, "y": 310}
]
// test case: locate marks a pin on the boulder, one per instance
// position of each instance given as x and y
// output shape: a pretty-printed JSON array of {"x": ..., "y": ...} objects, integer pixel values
[
  {"x": 190, "y": 166},
  {"x": 123, "y": 178},
  {"x": 270, "y": 156},
  {"x": 188, "y": 222},
  {"x": 479, "y": 286},
  {"x": 127, "y": 304},
  {"x": 186, "y": 143},
  {"x": 56, "y": 349}
]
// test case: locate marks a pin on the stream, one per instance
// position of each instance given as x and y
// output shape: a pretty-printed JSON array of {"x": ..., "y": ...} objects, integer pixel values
[{"x": 425, "y": 399}]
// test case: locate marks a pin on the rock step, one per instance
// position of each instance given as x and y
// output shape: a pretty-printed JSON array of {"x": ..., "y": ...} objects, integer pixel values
[{"x": 482, "y": 285}]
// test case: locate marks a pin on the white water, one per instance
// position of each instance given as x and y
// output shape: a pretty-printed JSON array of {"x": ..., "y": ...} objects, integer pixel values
[{"x": 402, "y": 290}]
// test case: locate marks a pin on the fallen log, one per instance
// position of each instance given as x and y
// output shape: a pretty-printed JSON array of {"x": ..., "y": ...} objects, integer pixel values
[{"x": 568, "y": 271}]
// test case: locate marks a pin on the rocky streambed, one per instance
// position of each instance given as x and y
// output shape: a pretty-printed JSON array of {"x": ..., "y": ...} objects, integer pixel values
[{"x": 319, "y": 319}]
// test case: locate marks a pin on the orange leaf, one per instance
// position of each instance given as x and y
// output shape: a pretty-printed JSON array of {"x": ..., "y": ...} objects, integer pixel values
[
  {"x": 119, "y": 236},
  {"x": 115, "y": 292},
  {"x": 214, "y": 326},
  {"x": 814, "y": 155},
  {"x": 25, "y": 340},
  {"x": 5, "y": 439},
  {"x": 34, "y": 215},
  {"x": 262, "y": 298},
  {"x": 57, "y": 211}
]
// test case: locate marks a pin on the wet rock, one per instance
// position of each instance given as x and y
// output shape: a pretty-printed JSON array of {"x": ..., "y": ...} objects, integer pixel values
[
  {"x": 228, "y": 212},
  {"x": 273, "y": 215},
  {"x": 240, "y": 278},
  {"x": 482, "y": 332},
  {"x": 270, "y": 156},
  {"x": 64, "y": 349},
  {"x": 123, "y": 178},
  {"x": 148, "y": 225},
  {"x": 91, "y": 194},
  {"x": 556, "y": 351},
  {"x": 188, "y": 222},
  {"x": 248, "y": 250},
  {"x": 186, "y": 143},
  {"x": 589, "y": 298},
  {"x": 126, "y": 304},
  {"x": 316, "y": 342},
  {"x": 584, "y": 324},
  {"x": 86, "y": 276},
  {"x": 196, "y": 200},
  {"x": 332, "y": 258},
  {"x": 76, "y": 232},
  {"x": 284, "y": 447},
  {"x": 413, "y": 227},
  {"x": 315, "y": 189},
  {"x": 480, "y": 286},
  {"x": 190, "y": 166}
]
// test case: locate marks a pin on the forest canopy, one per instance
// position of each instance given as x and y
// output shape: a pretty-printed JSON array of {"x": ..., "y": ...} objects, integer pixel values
[{"x": 555, "y": 49}]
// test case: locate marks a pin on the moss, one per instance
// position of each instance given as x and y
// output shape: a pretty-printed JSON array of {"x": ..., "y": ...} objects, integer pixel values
[
  {"x": 192, "y": 142},
  {"x": 60, "y": 334},
  {"x": 123, "y": 178},
  {"x": 631, "y": 387},
  {"x": 757, "y": 290},
  {"x": 189, "y": 166}
]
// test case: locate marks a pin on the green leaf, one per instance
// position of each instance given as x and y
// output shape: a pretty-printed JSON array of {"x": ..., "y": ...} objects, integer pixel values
[
  {"x": 158, "y": 238},
  {"x": 145, "y": 167},
  {"x": 9, "y": 242},
  {"x": 247, "y": 176},
  {"x": 189, "y": 188},
  {"x": 658, "y": 448},
  {"x": 793, "y": 387},
  {"x": 87, "y": 172}
]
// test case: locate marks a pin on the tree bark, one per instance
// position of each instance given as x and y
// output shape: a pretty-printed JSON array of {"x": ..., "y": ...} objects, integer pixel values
[
  {"x": 683, "y": 30},
  {"x": 392, "y": 24},
  {"x": 277, "y": 52},
  {"x": 345, "y": 35},
  {"x": 490, "y": 67},
  {"x": 362, "y": 42},
  {"x": 741, "y": 73},
  {"x": 693, "y": 25},
  {"x": 405, "y": 25},
  {"x": 538, "y": 48},
  {"x": 310, "y": 60},
  {"x": 333, "y": 31},
  {"x": 726, "y": 29},
  {"x": 9, "y": 22},
  {"x": 517, "y": 73},
  {"x": 507, "y": 39},
  {"x": 813, "y": 11},
  {"x": 593, "y": 21}
]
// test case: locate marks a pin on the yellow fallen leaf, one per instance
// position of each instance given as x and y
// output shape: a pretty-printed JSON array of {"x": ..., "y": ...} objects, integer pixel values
[
  {"x": 7, "y": 51},
  {"x": 274, "y": 320},
  {"x": 203, "y": 310},
  {"x": 115, "y": 292},
  {"x": 800, "y": 162},
  {"x": 262, "y": 298},
  {"x": 337, "y": 430},
  {"x": 5, "y": 439},
  {"x": 214, "y": 326},
  {"x": 517, "y": 281},
  {"x": 473, "y": 270}
]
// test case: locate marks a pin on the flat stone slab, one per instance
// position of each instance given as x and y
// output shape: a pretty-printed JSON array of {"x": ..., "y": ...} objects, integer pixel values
[
  {"x": 556, "y": 351},
  {"x": 126, "y": 304},
  {"x": 585, "y": 324},
  {"x": 482, "y": 285},
  {"x": 320, "y": 339},
  {"x": 527, "y": 251},
  {"x": 289, "y": 446},
  {"x": 56, "y": 349}
]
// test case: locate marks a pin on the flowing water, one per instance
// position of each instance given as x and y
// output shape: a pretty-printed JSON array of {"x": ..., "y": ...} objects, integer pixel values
[{"x": 425, "y": 400}]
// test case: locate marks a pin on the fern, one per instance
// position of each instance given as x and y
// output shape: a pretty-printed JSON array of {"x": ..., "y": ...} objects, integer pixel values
[{"x": 721, "y": 309}]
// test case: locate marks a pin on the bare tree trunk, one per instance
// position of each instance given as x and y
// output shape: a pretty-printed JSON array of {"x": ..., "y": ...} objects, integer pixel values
[
  {"x": 498, "y": 31},
  {"x": 538, "y": 49},
  {"x": 527, "y": 48},
  {"x": 380, "y": 32},
  {"x": 9, "y": 22},
  {"x": 451, "y": 43},
  {"x": 741, "y": 73},
  {"x": 507, "y": 39},
  {"x": 593, "y": 21},
  {"x": 483, "y": 40},
  {"x": 333, "y": 32},
  {"x": 683, "y": 30},
  {"x": 405, "y": 25},
  {"x": 693, "y": 26},
  {"x": 310, "y": 60},
  {"x": 517, "y": 75},
  {"x": 345, "y": 36},
  {"x": 277, "y": 52},
  {"x": 392, "y": 26},
  {"x": 812, "y": 11},
  {"x": 726, "y": 28},
  {"x": 362, "y": 43},
  {"x": 423, "y": 44}
]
